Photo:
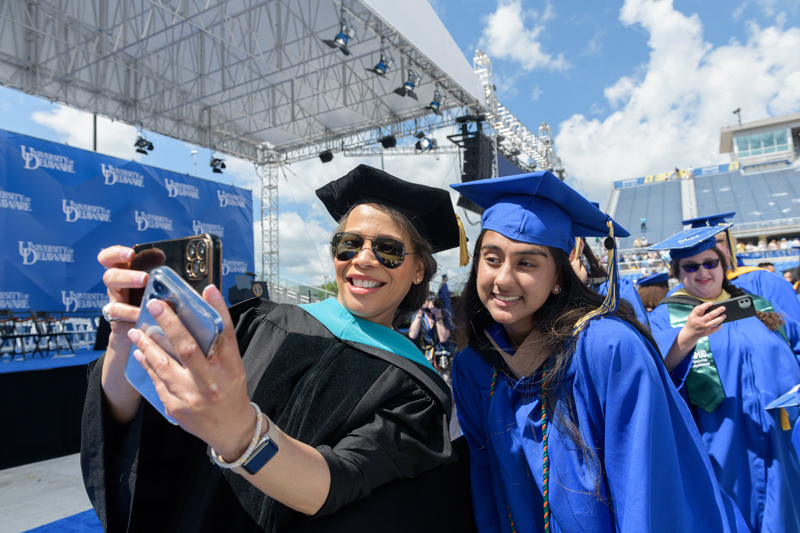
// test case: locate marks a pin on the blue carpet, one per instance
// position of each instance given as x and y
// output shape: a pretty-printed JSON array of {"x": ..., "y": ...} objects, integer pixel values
[
  {"x": 85, "y": 522},
  {"x": 83, "y": 356}
]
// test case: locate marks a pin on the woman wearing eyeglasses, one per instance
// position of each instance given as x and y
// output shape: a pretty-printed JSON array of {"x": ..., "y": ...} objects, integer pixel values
[
  {"x": 571, "y": 419},
  {"x": 728, "y": 372},
  {"x": 318, "y": 417}
]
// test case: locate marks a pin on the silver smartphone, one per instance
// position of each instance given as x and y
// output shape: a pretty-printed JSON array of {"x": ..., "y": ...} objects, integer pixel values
[{"x": 201, "y": 320}]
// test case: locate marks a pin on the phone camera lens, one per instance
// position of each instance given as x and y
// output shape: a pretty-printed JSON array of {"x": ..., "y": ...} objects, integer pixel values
[
  {"x": 160, "y": 289},
  {"x": 191, "y": 250},
  {"x": 201, "y": 250},
  {"x": 196, "y": 268}
]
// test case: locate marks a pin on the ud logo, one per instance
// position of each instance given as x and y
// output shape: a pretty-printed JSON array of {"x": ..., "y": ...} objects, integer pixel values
[
  {"x": 69, "y": 210},
  {"x": 141, "y": 221},
  {"x": 108, "y": 173},
  {"x": 31, "y": 161},
  {"x": 69, "y": 301},
  {"x": 28, "y": 253}
]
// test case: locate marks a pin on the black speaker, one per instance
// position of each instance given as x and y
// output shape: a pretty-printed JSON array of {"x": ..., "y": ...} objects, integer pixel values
[{"x": 478, "y": 156}]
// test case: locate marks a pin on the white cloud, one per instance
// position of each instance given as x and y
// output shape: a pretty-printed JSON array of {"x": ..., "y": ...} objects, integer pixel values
[
  {"x": 74, "y": 127},
  {"x": 505, "y": 36},
  {"x": 671, "y": 115}
]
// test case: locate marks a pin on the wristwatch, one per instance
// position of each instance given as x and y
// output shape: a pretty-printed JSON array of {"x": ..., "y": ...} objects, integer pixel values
[{"x": 264, "y": 451}]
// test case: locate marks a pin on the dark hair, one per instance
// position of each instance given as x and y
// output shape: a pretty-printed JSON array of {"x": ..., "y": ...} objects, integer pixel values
[
  {"x": 596, "y": 269},
  {"x": 762, "y": 265},
  {"x": 418, "y": 292},
  {"x": 772, "y": 320},
  {"x": 556, "y": 320}
]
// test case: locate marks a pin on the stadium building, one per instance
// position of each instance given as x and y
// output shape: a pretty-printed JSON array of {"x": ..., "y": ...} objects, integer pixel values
[{"x": 761, "y": 184}]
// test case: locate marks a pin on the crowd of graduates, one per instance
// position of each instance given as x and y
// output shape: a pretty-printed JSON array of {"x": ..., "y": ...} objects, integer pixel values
[{"x": 583, "y": 405}]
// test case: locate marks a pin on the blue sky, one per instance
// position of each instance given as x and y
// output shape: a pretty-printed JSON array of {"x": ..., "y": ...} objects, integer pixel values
[{"x": 629, "y": 87}]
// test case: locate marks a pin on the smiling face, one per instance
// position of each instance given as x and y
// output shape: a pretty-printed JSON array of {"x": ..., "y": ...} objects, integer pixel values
[
  {"x": 702, "y": 283},
  {"x": 368, "y": 289},
  {"x": 514, "y": 279}
]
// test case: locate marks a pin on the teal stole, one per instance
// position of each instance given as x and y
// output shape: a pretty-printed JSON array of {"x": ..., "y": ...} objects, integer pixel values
[{"x": 348, "y": 327}]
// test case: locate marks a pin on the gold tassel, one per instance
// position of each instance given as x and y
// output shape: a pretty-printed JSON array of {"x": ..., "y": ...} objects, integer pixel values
[
  {"x": 611, "y": 300},
  {"x": 785, "y": 425},
  {"x": 731, "y": 250},
  {"x": 462, "y": 244}
]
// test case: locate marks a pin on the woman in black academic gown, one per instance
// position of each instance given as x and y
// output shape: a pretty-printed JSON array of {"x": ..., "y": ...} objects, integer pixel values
[{"x": 354, "y": 430}]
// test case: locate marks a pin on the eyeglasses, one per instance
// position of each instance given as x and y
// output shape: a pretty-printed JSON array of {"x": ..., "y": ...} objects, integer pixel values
[
  {"x": 389, "y": 252},
  {"x": 711, "y": 264}
]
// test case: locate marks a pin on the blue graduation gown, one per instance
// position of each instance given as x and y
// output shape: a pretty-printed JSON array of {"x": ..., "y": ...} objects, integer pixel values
[
  {"x": 752, "y": 456},
  {"x": 654, "y": 474},
  {"x": 628, "y": 292}
]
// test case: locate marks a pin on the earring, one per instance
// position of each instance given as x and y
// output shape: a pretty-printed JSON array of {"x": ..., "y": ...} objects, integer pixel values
[
  {"x": 416, "y": 281},
  {"x": 556, "y": 290}
]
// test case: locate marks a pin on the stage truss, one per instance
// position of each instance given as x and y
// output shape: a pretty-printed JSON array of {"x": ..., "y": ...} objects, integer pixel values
[{"x": 254, "y": 79}]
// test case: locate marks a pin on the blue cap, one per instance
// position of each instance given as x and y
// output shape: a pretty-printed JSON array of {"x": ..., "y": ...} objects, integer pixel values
[
  {"x": 691, "y": 241},
  {"x": 710, "y": 220},
  {"x": 652, "y": 279},
  {"x": 537, "y": 208}
]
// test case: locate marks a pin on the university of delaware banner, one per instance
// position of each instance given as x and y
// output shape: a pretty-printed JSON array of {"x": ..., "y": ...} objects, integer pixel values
[{"x": 59, "y": 206}]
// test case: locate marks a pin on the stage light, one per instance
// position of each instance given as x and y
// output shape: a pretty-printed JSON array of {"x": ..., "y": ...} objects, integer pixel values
[
  {"x": 346, "y": 32},
  {"x": 217, "y": 165},
  {"x": 425, "y": 143},
  {"x": 383, "y": 65},
  {"x": 408, "y": 86},
  {"x": 390, "y": 141},
  {"x": 326, "y": 156},
  {"x": 143, "y": 146},
  {"x": 438, "y": 100}
]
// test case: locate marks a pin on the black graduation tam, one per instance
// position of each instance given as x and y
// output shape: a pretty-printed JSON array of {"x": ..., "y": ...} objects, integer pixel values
[{"x": 429, "y": 209}]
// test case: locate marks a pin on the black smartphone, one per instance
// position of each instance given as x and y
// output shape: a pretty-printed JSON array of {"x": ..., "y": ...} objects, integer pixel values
[
  {"x": 736, "y": 308},
  {"x": 198, "y": 260}
]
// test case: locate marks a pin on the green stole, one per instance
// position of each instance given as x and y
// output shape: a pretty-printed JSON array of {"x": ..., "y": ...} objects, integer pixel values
[{"x": 703, "y": 384}]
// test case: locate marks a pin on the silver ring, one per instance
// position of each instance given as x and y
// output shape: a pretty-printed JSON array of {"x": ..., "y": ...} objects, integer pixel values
[{"x": 106, "y": 310}]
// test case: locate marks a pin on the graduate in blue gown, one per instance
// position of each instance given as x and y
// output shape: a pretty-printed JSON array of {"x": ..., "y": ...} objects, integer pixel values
[
  {"x": 728, "y": 373},
  {"x": 571, "y": 418},
  {"x": 752, "y": 280}
]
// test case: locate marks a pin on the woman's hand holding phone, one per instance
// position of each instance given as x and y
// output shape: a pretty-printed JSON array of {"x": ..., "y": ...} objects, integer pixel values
[
  {"x": 123, "y": 399},
  {"x": 206, "y": 396}
]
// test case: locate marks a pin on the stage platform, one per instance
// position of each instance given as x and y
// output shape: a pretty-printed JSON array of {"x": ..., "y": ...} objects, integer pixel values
[{"x": 42, "y": 401}]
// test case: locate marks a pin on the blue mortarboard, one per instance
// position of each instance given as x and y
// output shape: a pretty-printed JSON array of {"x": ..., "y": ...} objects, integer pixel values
[
  {"x": 652, "y": 279},
  {"x": 537, "y": 208},
  {"x": 691, "y": 241},
  {"x": 789, "y": 399},
  {"x": 710, "y": 220}
]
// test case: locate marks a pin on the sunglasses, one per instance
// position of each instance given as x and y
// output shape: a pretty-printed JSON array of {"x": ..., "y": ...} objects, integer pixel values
[
  {"x": 711, "y": 264},
  {"x": 389, "y": 252}
]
